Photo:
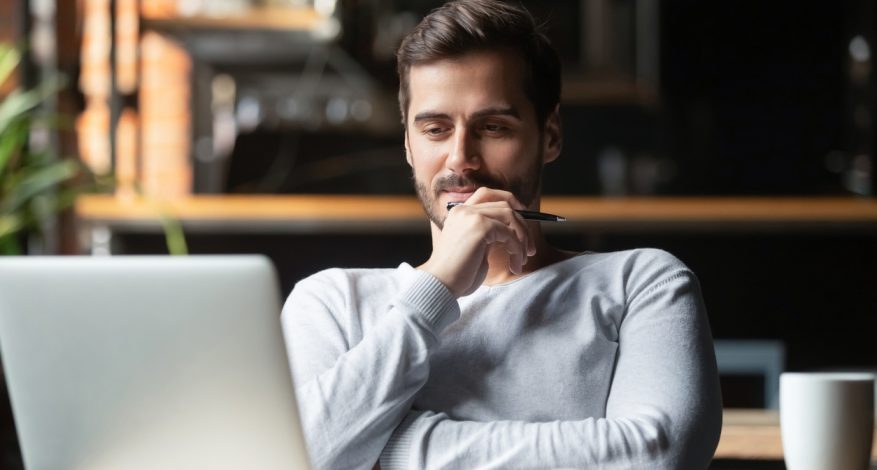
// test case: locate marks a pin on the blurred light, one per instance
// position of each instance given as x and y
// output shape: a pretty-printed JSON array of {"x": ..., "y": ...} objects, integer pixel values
[
  {"x": 361, "y": 110},
  {"x": 204, "y": 150},
  {"x": 249, "y": 113},
  {"x": 859, "y": 49},
  {"x": 101, "y": 237},
  {"x": 858, "y": 177},
  {"x": 225, "y": 7},
  {"x": 43, "y": 43},
  {"x": 612, "y": 171},
  {"x": 336, "y": 110},
  {"x": 43, "y": 9},
  {"x": 325, "y": 7},
  {"x": 223, "y": 89},
  {"x": 189, "y": 7},
  {"x": 326, "y": 30},
  {"x": 40, "y": 137}
]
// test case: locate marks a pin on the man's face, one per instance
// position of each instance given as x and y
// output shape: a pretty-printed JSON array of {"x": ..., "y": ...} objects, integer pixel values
[{"x": 469, "y": 124}]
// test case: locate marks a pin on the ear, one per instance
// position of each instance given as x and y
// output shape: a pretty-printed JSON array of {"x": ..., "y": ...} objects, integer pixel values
[
  {"x": 553, "y": 137},
  {"x": 408, "y": 150}
]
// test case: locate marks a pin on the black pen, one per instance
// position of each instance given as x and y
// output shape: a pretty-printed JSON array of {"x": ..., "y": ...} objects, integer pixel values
[{"x": 529, "y": 215}]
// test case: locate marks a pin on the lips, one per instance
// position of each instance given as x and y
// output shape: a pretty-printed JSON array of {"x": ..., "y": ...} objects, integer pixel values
[{"x": 459, "y": 194}]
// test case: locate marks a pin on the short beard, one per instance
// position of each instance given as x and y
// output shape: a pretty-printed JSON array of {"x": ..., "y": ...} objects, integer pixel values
[{"x": 525, "y": 189}]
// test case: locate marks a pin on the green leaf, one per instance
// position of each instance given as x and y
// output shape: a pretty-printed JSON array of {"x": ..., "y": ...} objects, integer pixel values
[
  {"x": 11, "y": 142},
  {"x": 9, "y": 59},
  {"x": 65, "y": 198},
  {"x": 18, "y": 102},
  {"x": 10, "y": 224},
  {"x": 9, "y": 246},
  {"x": 174, "y": 235},
  {"x": 41, "y": 208},
  {"x": 38, "y": 181}
]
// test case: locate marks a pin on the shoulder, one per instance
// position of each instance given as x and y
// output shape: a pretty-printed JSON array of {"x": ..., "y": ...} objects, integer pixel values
[
  {"x": 631, "y": 271},
  {"x": 336, "y": 303},
  {"x": 652, "y": 273},
  {"x": 648, "y": 263},
  {"x": 344, "y": 282},
  {"x": 640, "y": 262}
]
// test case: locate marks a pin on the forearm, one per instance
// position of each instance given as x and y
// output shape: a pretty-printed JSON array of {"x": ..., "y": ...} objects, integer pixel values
[
  {"x": 433, "y": 441},
  {"x": 350, "y": 409}
]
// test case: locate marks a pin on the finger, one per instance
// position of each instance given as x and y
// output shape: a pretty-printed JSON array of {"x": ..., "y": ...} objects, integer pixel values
[
  {"x": 501, "y": 234},
  {"x": 502, "y": 212},
  {"x": 516, "y": 262},
  {"x": 531, "y": 241}
]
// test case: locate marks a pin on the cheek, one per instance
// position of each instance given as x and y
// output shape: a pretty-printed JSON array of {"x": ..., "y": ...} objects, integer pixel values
[
  {"x": 425, "y": 152},
  {"x": 424, "y": 158},
  {"x": 509, "y": 153}
]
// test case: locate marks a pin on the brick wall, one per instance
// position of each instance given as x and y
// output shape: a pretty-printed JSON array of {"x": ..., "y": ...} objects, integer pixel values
[{"x": 152, "y": 142}]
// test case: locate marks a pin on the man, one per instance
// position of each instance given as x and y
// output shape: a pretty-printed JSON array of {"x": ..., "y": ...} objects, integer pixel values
[{"x": 500, "y": 351}]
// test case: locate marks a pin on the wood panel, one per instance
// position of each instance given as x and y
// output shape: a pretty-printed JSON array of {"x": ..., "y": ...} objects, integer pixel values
[{"x": 583, "y": 213}]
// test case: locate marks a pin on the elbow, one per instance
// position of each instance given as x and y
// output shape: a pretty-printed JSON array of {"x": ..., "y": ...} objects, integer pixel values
[
  {"x": 659, "y": 442},
  {"x": 699, "y": 438}
]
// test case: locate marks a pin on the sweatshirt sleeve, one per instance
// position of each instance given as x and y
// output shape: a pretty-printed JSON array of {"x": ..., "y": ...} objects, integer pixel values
[
  {"x": 663, "y": 409},
  {"x": 352, "y": 396}
]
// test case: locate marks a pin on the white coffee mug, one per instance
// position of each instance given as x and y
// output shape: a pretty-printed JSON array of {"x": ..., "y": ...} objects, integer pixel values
[{"x": 827, "y": 420}]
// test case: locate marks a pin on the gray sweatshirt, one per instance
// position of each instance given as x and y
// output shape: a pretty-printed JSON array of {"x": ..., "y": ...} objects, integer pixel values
[{"x": 604, "y": 360}]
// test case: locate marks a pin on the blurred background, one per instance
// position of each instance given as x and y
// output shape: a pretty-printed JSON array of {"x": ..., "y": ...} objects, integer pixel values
[{"x": 175, "y": 99}]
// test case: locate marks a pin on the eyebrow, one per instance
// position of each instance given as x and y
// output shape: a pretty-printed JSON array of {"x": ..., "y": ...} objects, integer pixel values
[{"x": 506, "y": 111}]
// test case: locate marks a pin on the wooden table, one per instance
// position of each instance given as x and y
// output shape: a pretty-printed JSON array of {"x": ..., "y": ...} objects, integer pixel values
[{"x": 755, "y": 435}]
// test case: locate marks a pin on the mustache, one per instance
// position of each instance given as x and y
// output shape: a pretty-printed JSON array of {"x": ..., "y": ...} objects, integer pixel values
[{"x": 476, "y": 179}]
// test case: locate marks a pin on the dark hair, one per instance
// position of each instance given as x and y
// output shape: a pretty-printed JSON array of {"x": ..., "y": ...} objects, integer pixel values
[{"x": 464, "y": 26}]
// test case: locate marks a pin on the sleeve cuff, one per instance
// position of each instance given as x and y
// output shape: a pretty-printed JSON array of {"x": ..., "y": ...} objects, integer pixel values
[
  {"x": 430, "y": 299},
  {"x": 396, "y": 453}
]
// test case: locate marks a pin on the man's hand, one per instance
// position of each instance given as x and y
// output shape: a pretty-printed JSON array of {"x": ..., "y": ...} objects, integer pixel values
[{"x": 487, "y": 220}]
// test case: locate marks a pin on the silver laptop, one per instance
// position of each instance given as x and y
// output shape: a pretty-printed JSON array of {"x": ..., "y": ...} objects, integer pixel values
[{"x": 148, "y": 362}]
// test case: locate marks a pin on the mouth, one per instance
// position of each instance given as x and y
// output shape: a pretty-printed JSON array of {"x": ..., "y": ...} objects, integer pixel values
[{"x": 459, "y": 194}]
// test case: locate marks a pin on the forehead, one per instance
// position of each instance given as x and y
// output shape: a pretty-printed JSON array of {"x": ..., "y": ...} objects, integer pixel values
[{"x": 464, "y": 84}]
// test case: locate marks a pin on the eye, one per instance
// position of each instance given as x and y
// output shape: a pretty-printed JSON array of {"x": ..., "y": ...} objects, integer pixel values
[
  {"x": 493, "y": 128},
  {"x": 434, "y": 131}
]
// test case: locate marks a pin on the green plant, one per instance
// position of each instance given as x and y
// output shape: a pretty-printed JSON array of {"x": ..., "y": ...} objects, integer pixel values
[{"x": 34, "y": 185}]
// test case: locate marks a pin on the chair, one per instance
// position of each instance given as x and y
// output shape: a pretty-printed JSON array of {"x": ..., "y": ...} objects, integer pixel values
[{"x": 754, "y": 357}]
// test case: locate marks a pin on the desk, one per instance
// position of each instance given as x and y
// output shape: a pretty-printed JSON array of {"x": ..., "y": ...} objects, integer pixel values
[{"x": 755, "y": 435}]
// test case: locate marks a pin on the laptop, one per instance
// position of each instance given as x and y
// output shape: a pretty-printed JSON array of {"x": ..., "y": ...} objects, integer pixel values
[{"x": 148, "y": 362}]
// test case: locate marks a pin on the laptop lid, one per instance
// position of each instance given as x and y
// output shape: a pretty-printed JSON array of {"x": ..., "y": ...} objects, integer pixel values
[{"x": 148, "y": 362}]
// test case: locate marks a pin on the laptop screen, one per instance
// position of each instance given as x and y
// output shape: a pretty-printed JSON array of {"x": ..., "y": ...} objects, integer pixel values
[{"x": 148, "y": 362}]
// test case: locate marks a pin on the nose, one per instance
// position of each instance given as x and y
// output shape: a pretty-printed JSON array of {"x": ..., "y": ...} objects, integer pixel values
[{"x": 463, "y": 155}]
